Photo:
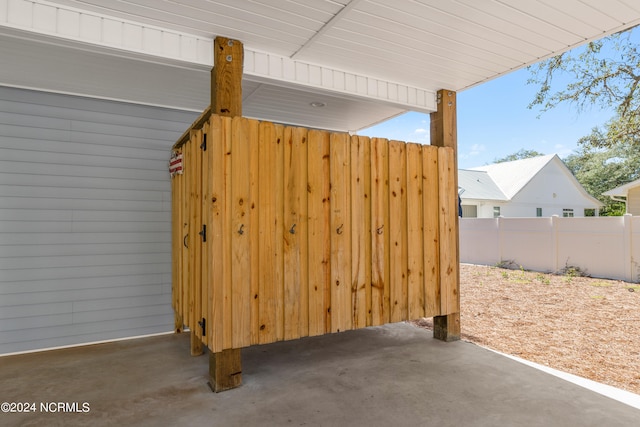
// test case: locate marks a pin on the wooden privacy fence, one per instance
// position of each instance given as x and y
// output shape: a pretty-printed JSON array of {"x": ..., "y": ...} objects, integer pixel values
[{"x": 283, "y": 232}]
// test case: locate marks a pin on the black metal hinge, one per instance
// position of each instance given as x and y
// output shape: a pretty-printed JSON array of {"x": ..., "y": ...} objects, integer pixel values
[
  {"x": 203, "y": 233},
  {"x": 203, "y": 146},
  {"x": 203, "y": 324}
]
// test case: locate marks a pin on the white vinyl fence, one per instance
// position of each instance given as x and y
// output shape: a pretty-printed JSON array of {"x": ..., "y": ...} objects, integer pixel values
[{"x": 607, "y": 247}]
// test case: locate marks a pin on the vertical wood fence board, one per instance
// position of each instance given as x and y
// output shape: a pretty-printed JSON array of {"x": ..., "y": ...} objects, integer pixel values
[
  {"x": 279, "y": 145},
  {"x": 270, "y": 198},
  {"x": 227, "y": 230},
  {"x": 340, "y": 233},
  {"x": 360, "y": 231},
  {"x": 205, "y": 279},
  {"x": 267, "y": 189},
  {"x": 319, "y": 232},
  {"x": 291, "y": 241},
  {"x": 295, "y": 234},
  {"x": 188, "y": 231},
  {"x": 254, "y": 227},
  {"x": 448, "y": 202},
  {"x": 193, "y": 229},
  {"x": 398, "y": 230},
  {"x": 380, "y": 231},
  {"x": 207, "y": 218},
  {"x": 197, "y": 219},
  {"x": 415, "y": 246},
  {"x": 217, "y": 209},
  {"x": 302, "y": 230},
  {"x": 177, "y": 196},
  {"x": 184, "y": 234},
  {"x": 240, "y": 233},
  {"x": 176, "y": 241},
  {"x": 431, "y": 237}
]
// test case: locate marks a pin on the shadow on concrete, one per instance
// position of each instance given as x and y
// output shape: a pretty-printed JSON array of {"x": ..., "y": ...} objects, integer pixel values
[{"x": 394, "y": 375}]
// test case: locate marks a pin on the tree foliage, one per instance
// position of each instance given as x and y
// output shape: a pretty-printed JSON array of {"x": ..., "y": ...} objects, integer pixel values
[
  {"x": 606, "y": 74},
  {"x": 602, "y": 169},
  {"x": 520, "y": 154}
]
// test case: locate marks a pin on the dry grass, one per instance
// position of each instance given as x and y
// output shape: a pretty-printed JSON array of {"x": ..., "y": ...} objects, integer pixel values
[{"x": 585, "y": 326}]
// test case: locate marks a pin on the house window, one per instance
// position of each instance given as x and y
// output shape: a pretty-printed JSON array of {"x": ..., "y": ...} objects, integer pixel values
[
  {"x": 496, "y": 211},
  {"x": 589, "y": 212},
  {"x": 538, "y": 212},
  {"x": 567, "y": 213},
  {"x": 469, "y": 211}
]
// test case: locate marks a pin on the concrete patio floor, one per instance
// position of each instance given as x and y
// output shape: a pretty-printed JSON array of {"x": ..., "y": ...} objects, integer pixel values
[{"x": 395, "y": 375}]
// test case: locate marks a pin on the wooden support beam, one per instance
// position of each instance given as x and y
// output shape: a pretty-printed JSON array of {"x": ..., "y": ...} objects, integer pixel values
[
  {"x": 178, "y": 322},
  {"x": 197, "y": 348},
  {"x": 447, "y": 327},
  {"x": 444, "y": 134},
  {"x": 225, "y": 370},
  {"x": 225, "y": 367},
  {"x": 226, "y": 77}
]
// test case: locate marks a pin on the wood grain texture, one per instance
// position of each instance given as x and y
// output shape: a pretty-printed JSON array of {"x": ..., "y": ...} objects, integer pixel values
[
  {"x": 225, "y": 370},
  {"x": 226, "y": 280},
  {"x": 226, "y": 77},
  {"x": 296, "y": 303},
  {"x": 270, "y": 241},
  {"x": 341, "y": 318},
  {"x": 314, "y": 232},
  {"x": 189, "y": 231},
  {"x": 254, "y": 228},
  {"x": 176, "y": 249},
  {"x": 444, "y": 135},
  {"x": 196, "y": 218},
  {"x": 240, "y": 234},
  {"x": 431, "y": 233},
  {"x": 319, "y": 231},
  {"x": 360, "y": 231},
  {"x": 398, "y": 231},
  {"x": 205, "y": 269},
  {"x": 380, "y": 231},
  {"x": 415, "y": 243},
  {"x": 448, "y": 202},
  {"x": 216, "y": 217}
]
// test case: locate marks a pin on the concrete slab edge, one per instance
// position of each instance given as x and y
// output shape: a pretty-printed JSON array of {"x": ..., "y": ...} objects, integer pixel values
[{"x": 615, "y": 393}]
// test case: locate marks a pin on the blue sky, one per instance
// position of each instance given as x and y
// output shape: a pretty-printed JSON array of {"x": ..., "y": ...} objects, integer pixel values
[{"x": 494, "y": 121}]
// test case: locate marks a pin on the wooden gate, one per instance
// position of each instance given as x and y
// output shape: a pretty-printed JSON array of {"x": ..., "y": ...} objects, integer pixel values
[{"x": 283, "y": 232}]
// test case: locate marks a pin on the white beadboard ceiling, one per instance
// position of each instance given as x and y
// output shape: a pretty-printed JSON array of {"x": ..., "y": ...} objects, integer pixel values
[{"x": 367, "y": 60}]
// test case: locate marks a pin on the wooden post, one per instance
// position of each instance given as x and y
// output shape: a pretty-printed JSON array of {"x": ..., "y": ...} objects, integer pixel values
[
  {"x": 178, "y": 323},
  {"x": 225, "y": 370},
  {"x": 444, "y": 134},
  {"x": 226, "y": 77},
  {"x": 225, "y": 367},
  {"x": 196, "y": 343}
]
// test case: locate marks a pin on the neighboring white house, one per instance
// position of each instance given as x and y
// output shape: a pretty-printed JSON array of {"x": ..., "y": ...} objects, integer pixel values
[
  {"x": 631, "y": 194},
  {"x": 536, "y": 187}
]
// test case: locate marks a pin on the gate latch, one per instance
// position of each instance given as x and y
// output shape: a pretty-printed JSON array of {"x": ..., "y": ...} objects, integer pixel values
[{"x": 203, "y": 324}]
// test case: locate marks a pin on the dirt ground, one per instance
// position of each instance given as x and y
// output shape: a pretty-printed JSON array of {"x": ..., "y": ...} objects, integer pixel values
[{"x": 586, "y": 326}]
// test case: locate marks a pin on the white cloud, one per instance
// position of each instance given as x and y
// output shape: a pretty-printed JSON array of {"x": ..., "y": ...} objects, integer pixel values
[{"x": 420, "y": 130}]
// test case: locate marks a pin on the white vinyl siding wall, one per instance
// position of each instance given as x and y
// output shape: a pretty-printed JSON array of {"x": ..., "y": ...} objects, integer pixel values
[{"x": 85, "y": 219}]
